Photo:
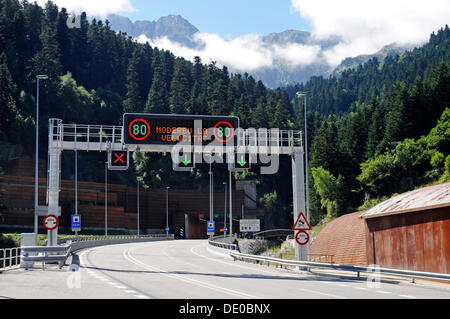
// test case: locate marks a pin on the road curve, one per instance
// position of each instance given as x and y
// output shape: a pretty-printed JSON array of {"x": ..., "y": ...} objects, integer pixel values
[{"x": 189, "y": 269}]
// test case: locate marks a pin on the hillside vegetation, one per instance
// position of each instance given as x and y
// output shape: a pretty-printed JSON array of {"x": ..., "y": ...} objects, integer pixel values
[{"x": 373, "y": 131}]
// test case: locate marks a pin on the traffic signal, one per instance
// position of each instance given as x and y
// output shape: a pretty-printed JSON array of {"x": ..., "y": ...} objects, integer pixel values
[
  {"x": 184, "y": 162},
  {"x": 239, "y": 162},
  {"x": 118, "y": 160}
]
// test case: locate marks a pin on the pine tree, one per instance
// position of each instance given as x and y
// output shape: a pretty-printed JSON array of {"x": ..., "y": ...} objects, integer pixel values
[
  {"x": 47, "y": 60},
  {"x": 7, "y": 92},
  {"x": 259, "y": 118},
  {"x": 375, "y": 132},
  {"x": 64, "y": 40},
  {"x": 134, "y": 102},
  {"x": 281, "y": 117},
  {"x": 157, "y": 100},
  {"x": 179, "y": 91}
]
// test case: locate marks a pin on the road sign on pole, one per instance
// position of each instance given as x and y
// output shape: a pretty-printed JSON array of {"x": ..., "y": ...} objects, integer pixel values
[
  {"x": 302, "y": 237},
  {"x": 76, "y": 223},
  {"x": 301, "y": 223},
  {"x": 249, "y": 225},
  {"x": 50, "y": 222},
  {"x": 210, "y": 229}
]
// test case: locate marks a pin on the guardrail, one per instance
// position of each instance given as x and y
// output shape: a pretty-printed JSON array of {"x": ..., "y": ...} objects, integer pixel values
[
  {"x": 357, "y": 269},
  {"x": 32, "y": 254},
  {"x": 214, "y": 241},
  {"x": 82, "y": 242},
  {"x": 9, "y": 258},
  {"x": 26, "y": 256}
]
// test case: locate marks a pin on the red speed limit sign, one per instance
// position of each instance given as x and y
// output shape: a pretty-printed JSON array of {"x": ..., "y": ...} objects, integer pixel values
[{"x": 50, "y": 222}]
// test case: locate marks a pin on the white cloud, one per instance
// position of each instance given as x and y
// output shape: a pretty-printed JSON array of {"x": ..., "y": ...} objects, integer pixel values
[
  {"x": 245, "y": 54},
  {"x": 366, "y": 26},
  {"x": 93, "y": 7}
]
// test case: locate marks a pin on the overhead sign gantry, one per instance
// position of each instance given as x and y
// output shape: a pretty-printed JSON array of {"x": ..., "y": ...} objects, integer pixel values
[{"x": 186, "y": 137}]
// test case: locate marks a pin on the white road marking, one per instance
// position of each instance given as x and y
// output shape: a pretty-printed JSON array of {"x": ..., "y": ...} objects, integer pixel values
[
  {"x": 408, "y": 296},
  {"x": 131, "y": 291},
  {"x": 269, "y": 272},
  {"x": 127, "y": 255},
  {"x": 120, "y": 287},
  {"x": 383, "y": 292},
  {"x": 112, "y": 283},
  {"x": 360, "y": 288}
]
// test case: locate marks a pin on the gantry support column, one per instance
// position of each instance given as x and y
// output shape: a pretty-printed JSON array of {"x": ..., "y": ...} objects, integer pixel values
[
  {"x": 54, "y": 175},
  {"x": 298, "y": 189}
]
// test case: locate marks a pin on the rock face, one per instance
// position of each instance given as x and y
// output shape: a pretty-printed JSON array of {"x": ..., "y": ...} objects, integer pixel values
[
  {"x": 253, "y": 246},
  {"x": 174, "y": 27}
]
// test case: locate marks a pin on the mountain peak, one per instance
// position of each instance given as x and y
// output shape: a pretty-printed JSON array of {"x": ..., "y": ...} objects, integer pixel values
[{"x": 172, "y": 26}]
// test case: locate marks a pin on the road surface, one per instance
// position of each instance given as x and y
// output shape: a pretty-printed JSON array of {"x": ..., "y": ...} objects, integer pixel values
[{"x": 188, "y": 269}]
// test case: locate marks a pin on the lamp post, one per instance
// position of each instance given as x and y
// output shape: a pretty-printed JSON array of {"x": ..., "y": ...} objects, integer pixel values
[
  {"x": 36, "y": 171},
  {"x": 167, "y": 210},
  {"x": 303, "y": 94},
  {"x": 106, "y": 198},
  {"x": 231, "y": 207},
  {"x": 137, "y": 206},
  {"x": 225, "y": 212}
]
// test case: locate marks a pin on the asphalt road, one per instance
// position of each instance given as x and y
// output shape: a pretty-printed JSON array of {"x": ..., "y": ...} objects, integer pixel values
[{"x": 190, "y": 270}]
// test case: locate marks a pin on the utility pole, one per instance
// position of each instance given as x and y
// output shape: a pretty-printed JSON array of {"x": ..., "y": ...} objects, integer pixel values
[
  {"x": 225, "y": 212},
  {"x": 167, "y": 210},
  {"x": 138, "y": 206},
  {"x": 76, "y": 186},
  {"x": 231, "y": 207},
  {"x": 106, "y": 198}
]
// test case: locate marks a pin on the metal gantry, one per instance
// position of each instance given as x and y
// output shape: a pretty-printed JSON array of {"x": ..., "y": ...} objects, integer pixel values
[{"x": 105, "y": 138}]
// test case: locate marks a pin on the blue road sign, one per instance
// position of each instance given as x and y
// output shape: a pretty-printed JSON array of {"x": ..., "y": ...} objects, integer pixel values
[
  {"x": 225, "y": 229},
  {"x": 76, "y": 222},
  {"x": 210, "y": 228},
  {"x": 166, "y": 229}
]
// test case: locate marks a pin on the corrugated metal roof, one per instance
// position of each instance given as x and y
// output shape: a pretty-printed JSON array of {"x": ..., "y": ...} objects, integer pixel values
[{"x": 420, "y": 199}]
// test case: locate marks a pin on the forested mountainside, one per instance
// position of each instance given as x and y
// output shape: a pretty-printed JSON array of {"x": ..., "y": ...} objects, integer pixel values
[{"x": 355, "y": 122}]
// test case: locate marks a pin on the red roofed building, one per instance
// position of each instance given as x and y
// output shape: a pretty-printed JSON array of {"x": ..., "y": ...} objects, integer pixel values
[{"x": 409, "y": 231}]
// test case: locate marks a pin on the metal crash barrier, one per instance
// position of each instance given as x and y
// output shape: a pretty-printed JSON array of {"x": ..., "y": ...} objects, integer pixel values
[
  {"x": 32, "y": 254},
  {"x": 309, "y": 264},
  {"x": 220, "y": 242},
  {"x": 67, "y": 246}
]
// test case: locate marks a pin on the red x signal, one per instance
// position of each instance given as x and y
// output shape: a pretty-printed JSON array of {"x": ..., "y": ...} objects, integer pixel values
[{"x": 119, "y": 158}]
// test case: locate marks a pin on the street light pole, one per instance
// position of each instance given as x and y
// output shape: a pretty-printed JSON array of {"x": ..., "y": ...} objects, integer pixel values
[
  {"x": 36, "y": 171},
  {"x": 211, "y": 217},
  {"x": 231, "y": 207},
  {"x": 138, "y": 207},
  {"x": 225, "y": 212},
  {"x": 167, "y": 210},
  {"x": 76, "y": 186},
  {"x": 106, "y": 198}
]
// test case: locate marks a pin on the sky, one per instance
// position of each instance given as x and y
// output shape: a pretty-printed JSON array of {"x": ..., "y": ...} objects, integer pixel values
[{"x": 231, "y": 30}]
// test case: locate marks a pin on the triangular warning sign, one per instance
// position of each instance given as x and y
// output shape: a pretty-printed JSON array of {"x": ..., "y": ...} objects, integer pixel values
[{"x": 301, "y": 223}]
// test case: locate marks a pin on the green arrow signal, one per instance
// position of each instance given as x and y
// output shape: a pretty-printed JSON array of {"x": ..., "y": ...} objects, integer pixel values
[
  {"x": 186, "y": 162},
  {"x": 242, "y": 162}
]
